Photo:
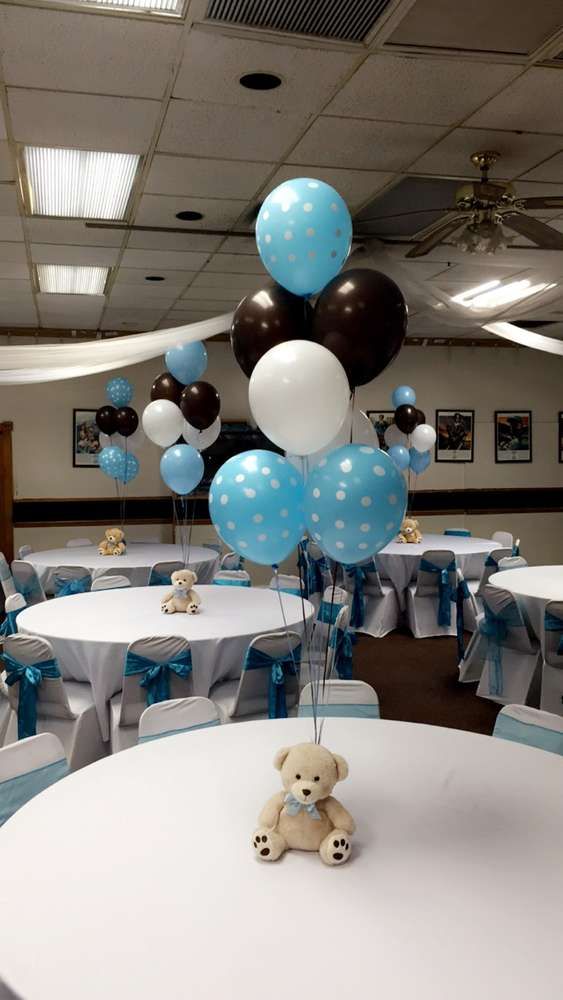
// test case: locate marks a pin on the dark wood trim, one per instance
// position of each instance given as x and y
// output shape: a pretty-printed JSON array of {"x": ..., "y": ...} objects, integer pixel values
[{"x": 6, "y": 491}]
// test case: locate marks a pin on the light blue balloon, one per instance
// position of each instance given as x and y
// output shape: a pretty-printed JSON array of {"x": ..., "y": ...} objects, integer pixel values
[
  {"x": 399, "y": 455},
  {"x": 403, "y": 395},
  {"x": 111, "y": 461},
  {"x": 256, "y": 505},
  {"x": 419, "y": 461},
  {"x": 355, "y": 501},
  {"x": 119, "y": 391},
  {"x": 303, "y": 234},
  {"x": 187, "y": 362},
  {"x": 181, "y": 468},
  {"x": 129, "y": 467}
]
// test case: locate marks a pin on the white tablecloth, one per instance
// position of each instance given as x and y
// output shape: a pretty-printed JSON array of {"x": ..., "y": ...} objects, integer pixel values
[
  {"x": 454, "y": 887},
  {"x": 399, "y": 561},
  {"x": 533, "y": 587},
  {"x": 90, "y": 632},
  {"x": 135, "y": 564}
]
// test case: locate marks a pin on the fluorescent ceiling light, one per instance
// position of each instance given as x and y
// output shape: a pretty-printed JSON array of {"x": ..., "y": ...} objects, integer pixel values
[
  {"x": 79, "y": 184},
  {"x": 151, "y": 6},
  {"x": 65, "y": 279},
  {"x": 493, "y": 294}
]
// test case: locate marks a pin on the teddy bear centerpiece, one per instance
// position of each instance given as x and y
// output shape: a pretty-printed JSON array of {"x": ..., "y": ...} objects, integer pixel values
[
  {"x": 113, "y": 543},
  {"x": 410, "y": 532},
  {"x": 182, "y": 598}
]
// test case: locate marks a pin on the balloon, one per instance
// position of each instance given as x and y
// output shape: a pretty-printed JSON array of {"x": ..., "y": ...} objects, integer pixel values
[
  {"x": 110, "y": 461},
  {"x": 361, "y": 317},
  {"x": 256, "y": 505},
  {"x": 299, "y": 396},
  {"x": 394, "y": 436},
  {"x": 420, "y": 417},
  {"x": 419, "y": 461},
  {"x": 403, "y": 394},
  {"x": 106, "y": 419},
  {"x": 119, "y": 391},
  {"x": 162, "y": 422},
  {"x": 265, "y": 319},
  {"x": 181, "y": 468},
  {"x": 130, "y": 468},
  {"x": 200, "y": 404},
  {"x": 186, "y": 362},
  {"x": 405, "y": 418},
  {"x": 303, "y": 234},
  {"x": 105, "y": 440},
  {"x": 165, "y": 386},
  {"x": 399, "y": 455},
  {"x": 200, "y": 440},
  {"x": 355, "y": 501},
  {"x": 357, "y": 426},
  {"x": 127, "y": 421},
  {"x": 423, "y": 437}
]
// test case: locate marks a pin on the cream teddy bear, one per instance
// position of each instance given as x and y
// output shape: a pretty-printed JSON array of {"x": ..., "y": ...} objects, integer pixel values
[
  {"x": 305, "y": 816},
  {"x": 410, "y": 532},
  {"x": 182, "y": 597},
  {"x": 113, "y": 544}
]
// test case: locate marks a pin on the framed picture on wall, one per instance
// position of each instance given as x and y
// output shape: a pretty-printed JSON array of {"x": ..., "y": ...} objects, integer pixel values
[
  {"x": 455, "y": 431},
  {"x": 513, "y": 435},
  {"x": 560, "y": 435},
  {"x": 85, "y": 439},
  {"x": 381, "y": 420}
]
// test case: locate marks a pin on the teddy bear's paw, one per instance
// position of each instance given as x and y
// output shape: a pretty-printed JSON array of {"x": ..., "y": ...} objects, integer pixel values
[
  {"x": 335, "y": 849},
  {"x": 167, "y": 609},
  {"x": 268, "y": 844},
  {"x": 192, "y": 609}
]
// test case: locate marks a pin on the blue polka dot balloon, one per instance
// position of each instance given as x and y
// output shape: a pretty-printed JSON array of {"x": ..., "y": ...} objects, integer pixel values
[
  {"x": 111, "y": 461},
  {"x": 119, "y": 391},
  {"x": 256, "y": 505},
  {"x": 355, "y": 501},
  {"x": 303, "y": 234}
]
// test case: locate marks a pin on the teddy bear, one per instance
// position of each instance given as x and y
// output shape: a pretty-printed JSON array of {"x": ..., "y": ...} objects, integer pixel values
[
  {"x": 113, "y": 544},
  {"x": 410, "y": 532},
  {"x": 305, "y": 816},
  {"x": 182, "y": 597}
]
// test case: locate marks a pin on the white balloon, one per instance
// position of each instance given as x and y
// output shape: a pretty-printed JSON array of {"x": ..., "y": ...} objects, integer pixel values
[
  {"x": 105, "y": 440},
  {"x": 357, "y": 428},
  {"x": 394, "y": 436},
  {"x": 202, "y": 439},
  {"x": 299, "y": 395},
  {"x": 162, "y": 422},
  {"x": 423, "y": 438}
]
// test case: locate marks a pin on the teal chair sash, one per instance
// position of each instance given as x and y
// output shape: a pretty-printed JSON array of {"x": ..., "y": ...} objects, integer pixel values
[
  {"x": 530, "y": 734},
  {"x": 340, "y": 711},
  {"x": 9, "y": 625},
  {"x": 29, "y": 678},
  {"x": 552, "y": 623},
  {"x": 446, "y": 593},
  {"x": 175, "y": 732},
  {"x": 495, "y": 629},
  {"x": 64, "y": 588},
  {"x": 231, "y": 583},
  {"x": 462, "y": 595},
  {"x": 157, "y": 579},
  {"x": 30, "y": 589},
  {"x": 359, "y": 575},
  {"x": 280, "y": 667},
  {"x": 15, "y": 792},
  {"x": 490, "y": 561},
  {"x": 460, "y": 532},
  {"x": 156, "y": 676},
  {"x": 341, "y": 642}
]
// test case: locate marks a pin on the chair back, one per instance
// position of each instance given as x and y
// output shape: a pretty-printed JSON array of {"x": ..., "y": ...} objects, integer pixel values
[
  {"x": 144, "y": 684},
  {"x": 552, "y": 640},
  {"x": 161, "y": 573},
  {"x": 39, "y": 691},
  {"x": 27, "y": 582},
  {"x": 232, "y": 578},
  {"x": 24, "y": 550},
  {"x": 69, "y": 580},
  {"x": 491, "y": 566},
  {"x": 500, "y": 603},
  {"x": 110, "y": 582},
  {"x": 270, "y": 675},
  {"x": 512, "y": 562},
  {"x": 530, "y": 726},
  {"x": 286, "y": 583},
  {"x": 231, "y": 560},
  {"x": 27, "y": 768},
  {"x": 77, "y": 543},
  {"x": 459, "y": 532},
  {"x": 373, "y": 586},
  {"x": 504, "y": 538},
  {"x": 180, "y": 715},
  {"x": 320, "y": 570},
  {"x": 349, "y": 699},
  {"x": 332, "y": 601},
  {"x": 6, "y": 579},
  {"x": 13, "y": 605},
  {"x": 432, "y": 562}
]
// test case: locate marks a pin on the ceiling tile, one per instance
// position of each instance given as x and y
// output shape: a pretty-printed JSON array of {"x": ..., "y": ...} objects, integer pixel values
[
  {"x": 69, "y": 311},
  {"x": 11, "y": 229},
  {"x": 236, "y": 264},
  {"x": 532, "y": 103},
  {"x": 221, "y": 294},
  {"x": 450, "y": 157},
  {"x": 82, "y": 121},
  {"x": 17, "y": 314},
  {"x": 248, "y": 133},
  {"x": 8, "y": 200},
  {"x": 131, "y": 319},
  {"x": 551, "y": 170},
  {"x": 13, "y": 269},
  {"x": 362, "y": 144},
  {"x": 243, "y": 283},
  {"x": 355, "y": 186},
  {"x": 191, "y": 316},
  {"x": 49, "y": 253},
  {"x": 404, "y": 89},
  {"x": 173, "y": 241},
  {"x": 16, "y": 288},
  {"x": 73, "y": 232},
  {"x": 135, "y": 297},
  {"x": 6, "y": 164},
  {"x": 137, "y": 276},
  {"x": 201, "y": 178},
  {"x": 241, "y": 244},
  {"x": 13, "y": 253},
  {"x": 153, "y": 259},
  {"x": 160, "y": 210},
  {"x": 192, "y": 300}
]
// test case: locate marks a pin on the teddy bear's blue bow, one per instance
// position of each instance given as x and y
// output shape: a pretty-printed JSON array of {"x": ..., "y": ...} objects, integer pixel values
[{"x": 293, "y": 806}]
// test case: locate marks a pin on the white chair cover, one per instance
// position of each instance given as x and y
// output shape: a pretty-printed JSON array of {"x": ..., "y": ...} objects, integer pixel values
[
  {"x": 512, "y": 562},
  {"x": 491, "y": 566},
  {"x": 27, "y": 582},
  {"x": 552, "y": 667},
  {"x": 72, "y": 574},
  {"x": 325, "y": 642},
  {"x": 110, "y": 582},
  {"x": 231, "y": 560},
  {"x": 24, "y": 550},
  {"x": 248, "y": 697},
  {"x": 354, "y": 699},
  {"x": 422, "y": 604},
  {"x": 504, "y": 538},
  {"x": 286, "y": 583},
  {"x": 530, "y": 726},
  {"x": 178, "y": 715},
  {"x": 27, "y": 768},
  {"x": 232, "y": 578},
  {"x": 381, "y": 610},
  {"x": 76, "y": 543},
  {"x": 6, "y": 579},
  {"x": 160, "y": 572}
]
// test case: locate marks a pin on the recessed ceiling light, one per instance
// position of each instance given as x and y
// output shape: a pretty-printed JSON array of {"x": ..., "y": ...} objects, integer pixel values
[
  {"x": 150, "y": 6},
  {"x": 154, "y": 277},
  {"x": 66, "y": 279},
  {"x": 188, "y": 216},
  {"x": 260, "y": 81},
  {"x": 79, "y": 184}
]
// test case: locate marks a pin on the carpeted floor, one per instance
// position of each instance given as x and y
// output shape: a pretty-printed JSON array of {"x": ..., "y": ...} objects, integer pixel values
[{"x": 417, "y": 681}]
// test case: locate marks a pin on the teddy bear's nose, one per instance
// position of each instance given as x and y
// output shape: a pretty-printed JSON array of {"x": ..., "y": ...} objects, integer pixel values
[{"x": 306, "y": 791}]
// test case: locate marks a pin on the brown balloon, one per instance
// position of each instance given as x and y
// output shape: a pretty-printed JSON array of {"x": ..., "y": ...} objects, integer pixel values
[
  {"x": 200, "y": 404},
  {"x": 361, "y": 316},
  {"x": 420, "y": 417},
  {"x": 264, "y": 320},
  {"x": 165, "y": 386},
  {"x": 106, "y": 419},
  {"x": 406, "y": 418},
  {"x": 127, "y": 421}
]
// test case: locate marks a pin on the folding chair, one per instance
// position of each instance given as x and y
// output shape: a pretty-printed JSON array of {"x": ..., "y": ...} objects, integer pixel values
[
  {"x": 340, "y": 699},
  {"x": 27, "y": 582},
  {"x": 530, "y": 726},
  {"x": 27, "y": 768},
  {"x": 179, "y": 715},
  {"x": 269, "y": 682}
]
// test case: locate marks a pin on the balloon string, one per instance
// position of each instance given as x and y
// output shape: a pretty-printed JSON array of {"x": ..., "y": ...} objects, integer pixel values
[
  {"x": 289, "y": 649},
  {"x": 308, "y": 636},
  {"x": 325, "y": 667},
  {"x": 353, "y": 401}
]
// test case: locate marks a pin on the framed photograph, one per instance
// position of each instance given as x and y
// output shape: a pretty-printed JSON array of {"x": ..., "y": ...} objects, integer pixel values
[
  {"x": 85, "y": 439},
  {"x": 513, "y": 435},
  {"x": 560, "y": 435},
  {"x": 381, "y": 420},
  {"x": 455, "y": 431}
]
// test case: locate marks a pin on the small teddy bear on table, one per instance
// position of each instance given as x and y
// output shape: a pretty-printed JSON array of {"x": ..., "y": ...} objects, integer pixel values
[
  {"x": 113, "y": 543},
  {"x": 182, "y": 598},
  {"x": 410, "y": 532}
]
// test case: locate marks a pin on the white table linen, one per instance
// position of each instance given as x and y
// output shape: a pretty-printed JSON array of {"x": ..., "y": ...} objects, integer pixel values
[
  {"x": 90, "y": 632},
  {"x": 533, "y": 587},
  {"x": 455, "y": 877},
  {"x": 135, "y": 564},
  {"x": 398, "y": 561}
]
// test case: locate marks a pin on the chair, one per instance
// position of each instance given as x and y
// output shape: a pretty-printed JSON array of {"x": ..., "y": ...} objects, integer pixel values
[
  {"x": 429, "y": 600},
  {"x": 374, "y": 605},
  {"x": 330, "y": 649},
  {"x": 24, "y": 550},
  {"x": 156, "y": 669},
  {"x": 530, "y": 726},
  {"x": 348, "y": 699},
  {"x": 315, "y": 571},
  {"x": 69, "y": 580},
  {"x": 551, "y": 699},
  {"x": 232, "y": 578},
  {"x": 27, "y": 582},
  {"x": 13, "y": 605},
  {"x": 77, "y": 543},
  {"x": 491, "y": 566},
  {"x": 180, "y": 715},
  {"x": 232, "y": 561},
  {"x": 269, "y": 682},
  {"x": 286, "y": 583},
  {"x": 27, "y": 768},
  {"x": 504, "y": 538},
  {"x": 160, "y": 574},
  {"x": 43, "y": 704},
  {"x": 512, "y": 562},
  {"x": 459, "y": 532},
  {"x": 110, "y": 583},
  {"x": 6, "y": 578}
]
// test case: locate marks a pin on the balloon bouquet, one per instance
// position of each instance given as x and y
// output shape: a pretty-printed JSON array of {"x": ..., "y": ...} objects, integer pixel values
[
  {"x": 120, "y": 436},
  {"x": 409, "y": 438}
]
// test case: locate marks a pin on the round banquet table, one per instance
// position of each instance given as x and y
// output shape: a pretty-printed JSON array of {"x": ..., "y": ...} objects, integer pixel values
[
  {"x": 533, "y": 587},
  {"x": 399, "y": 561},
  {"x": 135, "y": 564},
  {"x": 455, "y": 878},
  {"x": 90, "y": 632}
]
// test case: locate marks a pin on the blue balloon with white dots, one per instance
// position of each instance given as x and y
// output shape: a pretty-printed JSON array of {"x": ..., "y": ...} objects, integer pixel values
[
  {"x": 119, "y": 391},
  {"x": 303, "y": 234},
  {"x": 355, "y": 501},
  {"x": 256, "y": 505}
]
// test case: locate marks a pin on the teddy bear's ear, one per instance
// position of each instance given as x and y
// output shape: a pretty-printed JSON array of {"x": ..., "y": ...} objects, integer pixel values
[
  {"x": 280, "y": 757},
  {"x": 341, "y": 766}
]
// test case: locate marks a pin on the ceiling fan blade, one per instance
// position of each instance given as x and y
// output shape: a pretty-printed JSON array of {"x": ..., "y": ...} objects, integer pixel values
[
  {"x": 537, "y": 203},
  {"x": 534, "y": 230},
  {"x": 487, "y": 191},
  {"x": 188, "y": 231},
  {"x": 436, "y": 233}
]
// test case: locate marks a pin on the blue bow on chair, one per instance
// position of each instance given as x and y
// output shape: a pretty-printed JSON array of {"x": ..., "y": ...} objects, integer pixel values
[
  {"x": 341, "y": 642},
  {"x": 462, "y": 594},
  {"x": 328, "y": 612},
  {"x": 280, "y": 667},
  {"x": 446, "y": 593},
  {"x": 29, "y": 679},
  {"x": 156, "y": 676},
  {"x": 552, "y": 623},
  {"x": 9, "y": 626},
  {"x": 359, "y": 575},
  {"x": 157, "y": 579},
  {"x": 28, "y": 590},
  {"x": 495, "y": 629},
  {"x": 63, "y": 588}
]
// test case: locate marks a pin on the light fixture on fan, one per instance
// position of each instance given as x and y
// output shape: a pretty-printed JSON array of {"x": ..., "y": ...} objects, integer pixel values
[{"x": 484, "y": 235}]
